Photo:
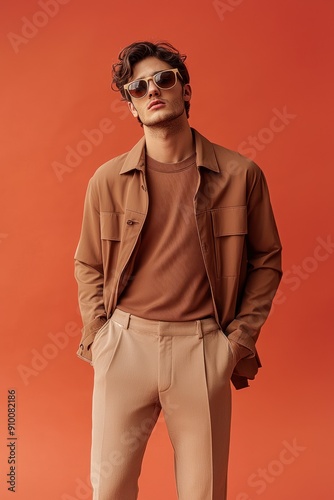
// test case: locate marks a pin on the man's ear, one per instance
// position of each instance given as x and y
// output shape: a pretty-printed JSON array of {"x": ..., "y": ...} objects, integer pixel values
[
  {"x": 132, "y": 109},
  {"x": 187, "y": 92}
]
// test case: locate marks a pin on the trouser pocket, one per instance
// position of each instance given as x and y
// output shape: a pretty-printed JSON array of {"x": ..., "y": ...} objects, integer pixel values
[{"x": 105, "y": 344}]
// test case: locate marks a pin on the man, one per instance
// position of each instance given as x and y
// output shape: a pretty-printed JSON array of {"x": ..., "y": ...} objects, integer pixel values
[{"x": 177, "y": 266}]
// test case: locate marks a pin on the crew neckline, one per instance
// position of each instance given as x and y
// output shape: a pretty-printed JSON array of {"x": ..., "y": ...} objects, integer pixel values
[{"x": 170, "y": 168}]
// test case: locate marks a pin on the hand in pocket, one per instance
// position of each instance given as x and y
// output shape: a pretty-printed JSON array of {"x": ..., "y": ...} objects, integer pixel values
[{"x": 239, "y": 350}]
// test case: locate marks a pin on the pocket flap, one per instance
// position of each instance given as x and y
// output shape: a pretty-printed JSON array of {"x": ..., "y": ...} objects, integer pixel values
[
  {"x": 229, "y": 220},
  {"x": 111, "y": 225}
]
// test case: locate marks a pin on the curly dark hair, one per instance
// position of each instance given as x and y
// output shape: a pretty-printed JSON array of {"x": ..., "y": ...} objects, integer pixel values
[{"x": 122, "y": 71}]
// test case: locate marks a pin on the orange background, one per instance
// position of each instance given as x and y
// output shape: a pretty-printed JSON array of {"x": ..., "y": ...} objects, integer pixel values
[{"x": 246, "y": 60}]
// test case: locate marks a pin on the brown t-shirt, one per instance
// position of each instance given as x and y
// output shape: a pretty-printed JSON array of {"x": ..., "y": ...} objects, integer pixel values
[{"x": 169, "y": 281}]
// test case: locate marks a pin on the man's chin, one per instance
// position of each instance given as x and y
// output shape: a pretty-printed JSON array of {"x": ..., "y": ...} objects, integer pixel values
[{"x": 162, "y": 121}]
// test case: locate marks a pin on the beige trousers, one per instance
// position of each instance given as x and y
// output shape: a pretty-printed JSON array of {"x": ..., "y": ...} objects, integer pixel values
[{"x": 143, "y": 366}]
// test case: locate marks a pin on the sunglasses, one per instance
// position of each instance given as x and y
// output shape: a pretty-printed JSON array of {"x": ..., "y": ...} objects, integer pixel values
[{"x": 165, "y": 80}]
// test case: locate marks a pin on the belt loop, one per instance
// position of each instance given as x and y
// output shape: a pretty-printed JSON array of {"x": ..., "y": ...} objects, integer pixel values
[
  {"x": 199, "y": 329},
  {"x": 126, "y": 321}
]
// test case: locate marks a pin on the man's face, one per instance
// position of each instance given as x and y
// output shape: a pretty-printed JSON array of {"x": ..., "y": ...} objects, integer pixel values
[{"x": 159, "y": 107}]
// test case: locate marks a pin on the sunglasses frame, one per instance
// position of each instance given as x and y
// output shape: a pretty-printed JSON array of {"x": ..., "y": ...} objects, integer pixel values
[{"x": 174, "y": 70}]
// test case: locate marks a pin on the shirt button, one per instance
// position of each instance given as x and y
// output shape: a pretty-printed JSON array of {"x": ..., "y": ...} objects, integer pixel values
[{"x": 129, "y": 222}]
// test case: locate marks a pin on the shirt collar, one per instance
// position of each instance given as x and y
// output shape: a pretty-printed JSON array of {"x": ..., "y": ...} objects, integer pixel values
[{"x": 205, "y": 155}]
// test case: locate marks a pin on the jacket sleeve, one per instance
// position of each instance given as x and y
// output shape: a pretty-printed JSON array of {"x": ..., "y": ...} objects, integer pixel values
[
  {"x": 264, "y": 270},
  {"x": 89, "y": 268}
]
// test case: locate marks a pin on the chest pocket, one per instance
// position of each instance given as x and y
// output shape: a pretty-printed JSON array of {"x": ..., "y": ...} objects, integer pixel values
[
  {"x": 229, "y": 226},
  {"x": 111, "y": 226}
]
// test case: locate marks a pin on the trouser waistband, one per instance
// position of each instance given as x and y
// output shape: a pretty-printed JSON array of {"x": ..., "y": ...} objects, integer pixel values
[{"x": 195, "y": 327}]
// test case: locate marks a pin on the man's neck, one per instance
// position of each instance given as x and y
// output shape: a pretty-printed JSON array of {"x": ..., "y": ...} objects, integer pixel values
[{"x": 169, "y": 144}]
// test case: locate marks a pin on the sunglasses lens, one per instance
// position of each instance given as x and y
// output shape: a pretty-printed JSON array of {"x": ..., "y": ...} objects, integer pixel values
[
  {"x": 165, "y": 79},
  {"x": 138, "y": 88}
]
